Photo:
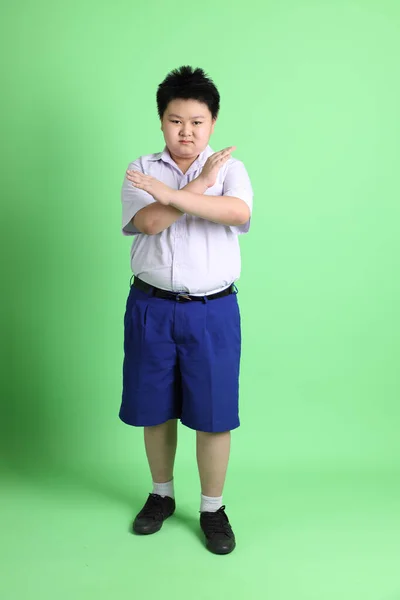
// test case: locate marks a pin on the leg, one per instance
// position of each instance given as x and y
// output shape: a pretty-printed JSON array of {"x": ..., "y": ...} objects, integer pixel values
[
  {"x": 151, "y": 396},
  {"x": 210, "y": 386},
  {"x": 160, "y": 444},
  {"x": 212, "y": 459}
]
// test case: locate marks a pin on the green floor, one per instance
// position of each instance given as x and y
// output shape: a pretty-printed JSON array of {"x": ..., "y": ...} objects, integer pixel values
[{"x": 300, "y": 536}]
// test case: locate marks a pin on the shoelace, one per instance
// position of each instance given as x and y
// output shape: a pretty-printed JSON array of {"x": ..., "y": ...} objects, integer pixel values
[
  {"x": 217, "y": 523},
  {"x": 153, "y": 508}
]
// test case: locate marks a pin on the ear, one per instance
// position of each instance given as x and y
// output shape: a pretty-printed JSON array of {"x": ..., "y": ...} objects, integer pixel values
[{"x": 213, "y": 125}]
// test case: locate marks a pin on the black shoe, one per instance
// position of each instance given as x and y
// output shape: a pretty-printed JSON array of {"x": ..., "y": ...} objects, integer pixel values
[
  {"x": 153, "y": 514},
  {"x": 219, "y": 535}
]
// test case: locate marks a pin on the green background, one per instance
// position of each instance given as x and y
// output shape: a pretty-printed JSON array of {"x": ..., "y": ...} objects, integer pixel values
[{"x": 310, "y": 96}]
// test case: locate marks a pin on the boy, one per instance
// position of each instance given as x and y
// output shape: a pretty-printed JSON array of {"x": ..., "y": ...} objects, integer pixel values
[{"x": 186, "y": 206}]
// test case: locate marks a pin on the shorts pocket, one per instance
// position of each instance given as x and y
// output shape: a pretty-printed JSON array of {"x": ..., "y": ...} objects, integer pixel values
[{"x": 140, "y": 311}]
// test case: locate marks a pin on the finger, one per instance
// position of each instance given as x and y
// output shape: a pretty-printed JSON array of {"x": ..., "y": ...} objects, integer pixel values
[
  {"x": 223, "y": 158},
  {"x": 138, "y": 173},
  {"x": 222, "y": 153},
  {"x": 218, "y": 156},
  {"x": 227, "y": 149}
]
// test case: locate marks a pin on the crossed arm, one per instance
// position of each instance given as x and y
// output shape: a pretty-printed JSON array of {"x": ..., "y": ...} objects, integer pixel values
[
  {"x": 226, "y": 210},
  {"x": 156, "y": 217}
]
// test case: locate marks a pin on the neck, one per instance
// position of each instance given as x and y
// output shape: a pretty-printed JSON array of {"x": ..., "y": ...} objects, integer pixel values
[{"x": 183, "y": 163}]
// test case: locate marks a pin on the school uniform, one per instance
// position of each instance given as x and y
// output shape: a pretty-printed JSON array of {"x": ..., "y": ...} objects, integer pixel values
[{"x": 182, "y": 333}]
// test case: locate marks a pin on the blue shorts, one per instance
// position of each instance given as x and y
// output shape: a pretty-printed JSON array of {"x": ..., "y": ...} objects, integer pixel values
[{"x": 181, "y": 361}]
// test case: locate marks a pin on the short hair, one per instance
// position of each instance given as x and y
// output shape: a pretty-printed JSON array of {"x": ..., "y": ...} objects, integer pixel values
[{"x": 188, "y": 83}]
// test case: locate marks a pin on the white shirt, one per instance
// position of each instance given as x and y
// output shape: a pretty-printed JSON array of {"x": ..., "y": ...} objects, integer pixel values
[{"x": 193, "y": 255}]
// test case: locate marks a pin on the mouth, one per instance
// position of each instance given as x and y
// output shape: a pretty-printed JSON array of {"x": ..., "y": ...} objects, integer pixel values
[{"x": 185, "y": 141}]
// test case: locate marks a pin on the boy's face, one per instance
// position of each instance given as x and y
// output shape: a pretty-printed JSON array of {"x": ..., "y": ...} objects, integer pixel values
[{"x": 187, "y": 120}]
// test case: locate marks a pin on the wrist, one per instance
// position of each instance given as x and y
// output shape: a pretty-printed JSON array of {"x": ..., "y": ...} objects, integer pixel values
[
  {"x": 202, "y": 181},
  {"x": 171, "y": 197}
]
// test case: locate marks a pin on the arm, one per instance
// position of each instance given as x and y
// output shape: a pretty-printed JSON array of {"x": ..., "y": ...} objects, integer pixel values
[
  {"x": 156, "y": 217},
  {"x": 153, "y": 219},
  {"x": 232, "y": 209},
  {"x": 226, "y": 210}
]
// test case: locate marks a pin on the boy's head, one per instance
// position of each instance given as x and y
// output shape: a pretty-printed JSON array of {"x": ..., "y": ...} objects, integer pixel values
[{"x": 188, "y": 107}]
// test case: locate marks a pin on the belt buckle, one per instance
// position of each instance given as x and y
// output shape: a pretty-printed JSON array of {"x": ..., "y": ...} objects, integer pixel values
[{"x": 184, "y": 296}]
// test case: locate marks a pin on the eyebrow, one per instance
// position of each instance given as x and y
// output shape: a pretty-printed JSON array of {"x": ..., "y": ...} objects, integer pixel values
[{"x": 197, "y": 117}]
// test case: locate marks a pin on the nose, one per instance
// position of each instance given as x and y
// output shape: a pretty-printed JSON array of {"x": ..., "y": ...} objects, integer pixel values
[{"x": 185, "y": 131}]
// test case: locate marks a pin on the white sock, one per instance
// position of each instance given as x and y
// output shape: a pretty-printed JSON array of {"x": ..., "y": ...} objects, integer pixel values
[
  {"x": 164, "y": 489},
  {"x": 210, "y": 504}
]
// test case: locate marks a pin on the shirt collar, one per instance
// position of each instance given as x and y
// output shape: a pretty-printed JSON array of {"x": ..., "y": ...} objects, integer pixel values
[{"x": 199, "y": 162}]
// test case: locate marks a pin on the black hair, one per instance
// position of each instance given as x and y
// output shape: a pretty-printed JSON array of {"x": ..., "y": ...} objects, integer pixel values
[{"x": 188, "y": 83}]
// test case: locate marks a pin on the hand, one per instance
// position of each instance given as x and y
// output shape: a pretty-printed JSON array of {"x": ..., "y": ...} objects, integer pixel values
[
  {"x": 159, "y": 190},
  {"x": 213, "y": 165}
]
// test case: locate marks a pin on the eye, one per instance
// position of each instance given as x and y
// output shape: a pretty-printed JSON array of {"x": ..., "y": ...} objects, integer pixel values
[
  {"x": 175, "y": 121},
  {"x": 198, "y": 122}
]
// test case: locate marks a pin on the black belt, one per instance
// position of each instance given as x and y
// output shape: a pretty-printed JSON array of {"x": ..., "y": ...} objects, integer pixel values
[{"x": 178, "y": 296}]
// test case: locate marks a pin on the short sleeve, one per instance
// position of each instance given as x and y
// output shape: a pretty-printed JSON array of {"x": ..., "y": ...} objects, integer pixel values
[
  {"x": 237, "y": 183},
  {"x": 133, "y": 199}
]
